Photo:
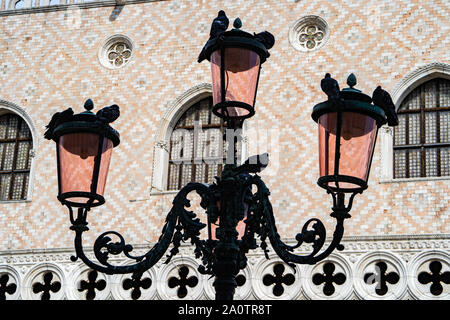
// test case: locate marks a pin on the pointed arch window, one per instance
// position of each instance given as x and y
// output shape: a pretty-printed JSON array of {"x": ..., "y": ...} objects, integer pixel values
[
  {"x": 15, "y": 160},
  {"x": 197, "y": 147},
  {"x": 422, "y": 138}
]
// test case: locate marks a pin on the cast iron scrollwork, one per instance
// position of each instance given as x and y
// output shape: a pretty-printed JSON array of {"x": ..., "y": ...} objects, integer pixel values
[
  {"x": 232, "y": 199},
  {"x": 180, "y": 225},
  {"x": 261, "y": 221}
]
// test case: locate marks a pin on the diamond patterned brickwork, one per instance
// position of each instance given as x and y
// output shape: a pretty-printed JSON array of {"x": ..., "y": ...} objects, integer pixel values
[{"x": 48, "y": 64}]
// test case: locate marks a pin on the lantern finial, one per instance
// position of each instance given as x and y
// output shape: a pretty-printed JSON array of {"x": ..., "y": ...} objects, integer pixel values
[
  {"x": 89, "y": 104},
  {"x": 351, "y": 80},
  {"x": 237, "y": 24}
]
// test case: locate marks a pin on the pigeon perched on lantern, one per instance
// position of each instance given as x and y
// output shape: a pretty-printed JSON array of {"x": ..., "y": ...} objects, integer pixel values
[
  {"x": 56, "y": 120},
  {"x": 219, "y": 25},
  {"x": 331, "y": 88},
  {"x": 108, "y": 114},
  {"x": 383, "y": 99},
  {"x": 266, "y": 38}
]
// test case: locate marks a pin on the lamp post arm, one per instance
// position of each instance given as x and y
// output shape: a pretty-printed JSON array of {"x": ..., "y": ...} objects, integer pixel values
[
  {"x": 313, "y": 230},
  {"x": 180, "y": 225}
]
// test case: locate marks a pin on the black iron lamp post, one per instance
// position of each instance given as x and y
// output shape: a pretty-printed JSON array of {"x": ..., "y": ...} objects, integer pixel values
[{"x": 237, "y": 204}]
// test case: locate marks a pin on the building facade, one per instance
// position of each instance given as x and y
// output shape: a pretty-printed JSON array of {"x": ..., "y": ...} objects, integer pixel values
[{"x": 142, "y": 55}]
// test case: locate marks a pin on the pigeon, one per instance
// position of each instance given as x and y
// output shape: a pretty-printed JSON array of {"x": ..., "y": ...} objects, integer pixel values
[
  {"x": 266, "y": 38},
  {"x": 108, "y": 114},
  {"x": 382, "y": 99},
  {"x": 254, "y": 164},
  {"x": 219, "y": 25},
  {"x": 56, "y": 120},
  {"x": 331, "y": 87}
]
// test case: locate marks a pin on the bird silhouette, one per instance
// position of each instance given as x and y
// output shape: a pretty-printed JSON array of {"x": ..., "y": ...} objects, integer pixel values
[
  {"x": 331, "y": 88},
  {"x": 108, "y": 114},
  {"x": 219, "y": 25},
  {"x": 254, "y": 164},
  {"x": 266, "y": 38},
  {"x": 383, "y": 99},
  {"x": 57, "y": 119}
]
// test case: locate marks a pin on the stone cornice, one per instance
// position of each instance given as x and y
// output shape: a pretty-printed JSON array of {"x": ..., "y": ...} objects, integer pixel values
[
  {"x": 409, "y": 241},
  {"x": 405, "y": 255},
  {"x": 61, "y": 7}
]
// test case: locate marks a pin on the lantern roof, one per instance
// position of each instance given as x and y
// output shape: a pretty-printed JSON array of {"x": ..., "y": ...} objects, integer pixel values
[
  {"x": 237, "y": 38},
  {"x": 352, "y": 100},
  {"x": 66, "y": 122}
]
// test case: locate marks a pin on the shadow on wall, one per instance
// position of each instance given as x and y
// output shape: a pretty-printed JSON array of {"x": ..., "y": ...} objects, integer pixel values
[{"x": 116, "y": 12}]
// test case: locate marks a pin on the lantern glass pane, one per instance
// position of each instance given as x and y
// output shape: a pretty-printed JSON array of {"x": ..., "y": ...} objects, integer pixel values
[
  {"x": 358, "y": 135},
  {"x": 241, "y": 79},
  {"x": 104, "y": 165},
  {"x": 77, "y": 152}
]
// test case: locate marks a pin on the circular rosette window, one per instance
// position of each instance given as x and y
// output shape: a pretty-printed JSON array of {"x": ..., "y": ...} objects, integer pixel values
[
  {"x": 44, "y": 282},
  {"x": 429, "y": 275},
  {"x": 9, "y": 283},
  {"x": 380, "y": 276},
  {"x": 116, "y": 52},
  {"x": 276, "y": 280},
  {"x": 88, "y": 284},
  {"x": 308, "y": 33},
  {"x": 129, "y": 287},
  {"x": 329, "y": 279},
  {"x": 180, "y": 280}
]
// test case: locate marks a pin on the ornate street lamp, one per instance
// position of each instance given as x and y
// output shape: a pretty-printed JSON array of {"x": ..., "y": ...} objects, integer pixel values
[
  {"x": 348, "y": 130},
  {"x": 237, "y": 205}
]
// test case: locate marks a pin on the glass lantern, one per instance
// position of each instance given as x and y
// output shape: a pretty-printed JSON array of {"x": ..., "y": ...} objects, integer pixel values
[
  {"x": 83, "y": 149},
  {"x": 236, "y": 58},
  {"x": 347, "y": 136}
]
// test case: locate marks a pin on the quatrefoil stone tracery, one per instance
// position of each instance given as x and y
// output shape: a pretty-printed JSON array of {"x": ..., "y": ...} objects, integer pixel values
[
  {"x": 135, "y": 283},
  {"x": 118, "y": 54},
  {"x": 311, "y": 36},
  {"x": 47, "y": 286},
  {"x": 278, "y": 279},
  {"x": 6, "y": 286},
  {"x": 328, "y": 279},
  {"x": 382, "y": 278},
  {"x": 183, "y": 282},
  {"x": 435, "y": 278},
  {"x": 91, "y": 285}
]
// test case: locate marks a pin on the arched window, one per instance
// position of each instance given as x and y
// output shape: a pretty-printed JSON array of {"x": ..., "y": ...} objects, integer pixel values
[
  {"x": 421, "y": 140},
  {"x": 15, "y": 160},
  {"x": 197, "y": 147}
]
